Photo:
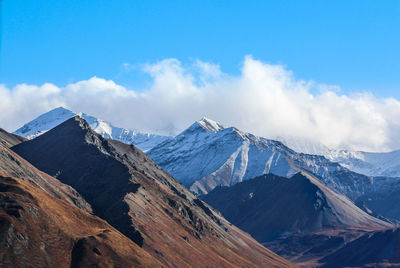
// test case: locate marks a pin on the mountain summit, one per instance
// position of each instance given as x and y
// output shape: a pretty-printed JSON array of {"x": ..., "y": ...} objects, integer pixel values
[{"x": 210, "y": 125}]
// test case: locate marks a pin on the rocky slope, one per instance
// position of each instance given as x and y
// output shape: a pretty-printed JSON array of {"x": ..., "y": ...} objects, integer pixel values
[
  {"x": 53, "y": 118},
  {"x": 138, "y": 198},
  {"x": 13, "y": 165},
  {"x": 38, "y": 230},
  {"x": 9, "y": 139},
  {"x": 41, "y": 224}
]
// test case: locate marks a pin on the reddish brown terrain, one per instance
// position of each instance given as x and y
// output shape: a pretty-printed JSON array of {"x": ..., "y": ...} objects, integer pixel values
[
  {"x": 12, "y": 164},
  {"x": 129, "y": 191},
  {"x": 41, "y": 227}
]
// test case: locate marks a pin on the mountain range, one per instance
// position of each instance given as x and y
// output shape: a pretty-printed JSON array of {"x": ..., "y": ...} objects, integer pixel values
[
  {"x": 385, "y": 164},
  {"x": 207, "y": 154},
  {"x": 147, "y": 205},
  {"x": 309, "y": 208}
]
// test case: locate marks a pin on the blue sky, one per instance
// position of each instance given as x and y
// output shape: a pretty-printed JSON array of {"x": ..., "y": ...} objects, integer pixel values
[{"x": 353, "y": 44}]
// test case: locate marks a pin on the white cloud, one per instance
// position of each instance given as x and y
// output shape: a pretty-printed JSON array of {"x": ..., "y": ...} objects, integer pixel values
[{"x": 264, "y": 99}]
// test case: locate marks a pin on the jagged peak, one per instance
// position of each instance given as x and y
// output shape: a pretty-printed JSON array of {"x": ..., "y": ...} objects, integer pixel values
[
  {"x": 205, "y": 125},
  {"x": 209, "y": 125},
  {"x": 75, "y": 129}
]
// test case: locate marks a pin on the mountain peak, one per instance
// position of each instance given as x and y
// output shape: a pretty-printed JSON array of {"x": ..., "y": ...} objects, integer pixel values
[
  {"x": 59, "y": 109},
  {"x": 59, "y": 112},
  {"x": 44, "y": 122},
  {"x": 210, "y": 125},
  {"x": 75, "y": 127},
  {"x": 53, "y": 118}
]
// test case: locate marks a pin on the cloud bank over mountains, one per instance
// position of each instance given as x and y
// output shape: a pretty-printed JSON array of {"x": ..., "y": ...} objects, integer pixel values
[{"x": 263, "y": 99}]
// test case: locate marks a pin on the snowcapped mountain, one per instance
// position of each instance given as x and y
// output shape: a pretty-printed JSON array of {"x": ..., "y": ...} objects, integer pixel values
[
  {"x": 207, "y": 155},
  {"x": 44, "y": 123},
  {"x": 370, "y": 164},
  {"x": 53, "y": 118}
]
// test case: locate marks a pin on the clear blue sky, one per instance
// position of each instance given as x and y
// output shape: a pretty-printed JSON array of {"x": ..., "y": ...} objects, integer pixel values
[{"x": 353, "y": 44}]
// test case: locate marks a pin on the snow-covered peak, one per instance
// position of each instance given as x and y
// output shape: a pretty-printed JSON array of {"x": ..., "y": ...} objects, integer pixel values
[
  {"x": 205, "y": 124},
  {"x": 144, "y": 141},
  {"x": 210, "y": 125},
  {"x": 44, "y": 122}
]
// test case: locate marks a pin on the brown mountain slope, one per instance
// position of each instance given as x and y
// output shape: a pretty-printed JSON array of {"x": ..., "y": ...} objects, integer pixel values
[
  {"x": 133, "y": 194},
  {"x": 37, "y": 230},
  {"x": 9, "y": 139},
  {"x": 44, "y": 229},
  {"x": 14, "y": 165}
]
